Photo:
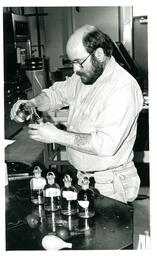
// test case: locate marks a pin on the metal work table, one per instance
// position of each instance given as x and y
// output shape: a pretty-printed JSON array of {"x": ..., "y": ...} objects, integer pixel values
[{"x": 110, "y": 229}]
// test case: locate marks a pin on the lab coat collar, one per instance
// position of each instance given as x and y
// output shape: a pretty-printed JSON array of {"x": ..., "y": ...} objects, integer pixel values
[{"x": 107, "y": 70}]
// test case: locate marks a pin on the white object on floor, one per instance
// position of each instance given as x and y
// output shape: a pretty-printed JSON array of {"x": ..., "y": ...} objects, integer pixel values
[{"x": 144, "y": 241}]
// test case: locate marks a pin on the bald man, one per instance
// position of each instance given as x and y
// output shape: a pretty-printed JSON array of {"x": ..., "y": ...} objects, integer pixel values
[{"x": 104, "y": 104}]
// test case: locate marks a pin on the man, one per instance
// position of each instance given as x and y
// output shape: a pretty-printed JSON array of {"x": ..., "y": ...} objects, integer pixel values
[{"x": 104, "y": 103}]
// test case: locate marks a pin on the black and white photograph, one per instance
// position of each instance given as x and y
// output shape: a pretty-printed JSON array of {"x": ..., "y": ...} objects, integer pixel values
[{"x": 76, "y": 127}]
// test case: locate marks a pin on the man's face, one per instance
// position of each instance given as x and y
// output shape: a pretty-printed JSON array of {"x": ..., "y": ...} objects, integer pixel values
[
  {"x": 86, "y": 65},
  {"x": 90, "y": 70}
]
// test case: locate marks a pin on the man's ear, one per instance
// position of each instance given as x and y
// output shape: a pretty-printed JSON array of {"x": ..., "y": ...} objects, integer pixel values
[{"x": 99, "y": 54}]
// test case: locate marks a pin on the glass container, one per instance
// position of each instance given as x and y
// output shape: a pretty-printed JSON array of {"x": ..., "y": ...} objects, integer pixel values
[
  {"x": 37, "y": 184},
  {"x": 51, "y": 193},
  {"x": 68, "y": 197},
  {"x": 85, "y": 199}
]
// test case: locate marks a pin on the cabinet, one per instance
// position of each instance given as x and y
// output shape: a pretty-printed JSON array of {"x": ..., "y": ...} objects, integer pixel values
[
  {"x": 141, "y": 147},
  {"x": 140, "y": 34},
  {"x": 142, "y": 139},
  {"x": 13, "y": 90},
  {"x": 16, "y": 50}
]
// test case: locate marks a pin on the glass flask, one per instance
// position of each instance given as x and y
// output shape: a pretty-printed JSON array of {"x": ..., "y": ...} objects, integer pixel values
[
  {"x": 51, "y": 193},
  {"x": 68, "y": 197},
  {"x": 23, "y": 113},
  {"x": 85, "y": 199},
  {"x": 37, "y": 184},
  {"x": 27, "y": 112}
]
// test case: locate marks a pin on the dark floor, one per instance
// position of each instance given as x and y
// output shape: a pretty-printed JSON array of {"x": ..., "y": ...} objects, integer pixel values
[{"x": 29, "y": 152}]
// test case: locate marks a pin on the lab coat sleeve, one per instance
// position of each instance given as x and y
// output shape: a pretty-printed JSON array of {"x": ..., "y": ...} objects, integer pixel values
[
  {"x": 117, "y": 122},
  {"x": 61, "y": 93}
]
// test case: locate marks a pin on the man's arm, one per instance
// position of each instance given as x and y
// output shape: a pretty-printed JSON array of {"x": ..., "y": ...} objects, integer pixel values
[
  {"x": 115, "y": 124},
  {"x": 42, "y": 102},
  {"x": 78, "y": 141},
  {"x": 48, "y": 133},
  {"x": 50, "y": 99}
]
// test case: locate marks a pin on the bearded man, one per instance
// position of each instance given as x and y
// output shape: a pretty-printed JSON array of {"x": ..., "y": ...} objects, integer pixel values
[{"x": 104, "y": 104}]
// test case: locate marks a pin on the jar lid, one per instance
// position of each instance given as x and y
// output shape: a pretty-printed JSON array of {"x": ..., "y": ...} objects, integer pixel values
[
  {"x": 67, "y": 178},
  {"x": 85, "y": 182},
  {"x": 50, "y": 176},
  {"x": 37, "y": 169}
]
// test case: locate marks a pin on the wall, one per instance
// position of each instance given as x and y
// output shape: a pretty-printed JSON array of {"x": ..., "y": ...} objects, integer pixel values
[
  {"x": 114, "y": 21},
  {"x": 126, "y": 14},
  {"x": 61, "y": 21},
  {"x": 139, "y": 10},
  {"x": 140, "y": 34},
  {"x": 33, "y": 29},
  {"x": 106, "y": 18},
  {"x": 57, "y": 30}
]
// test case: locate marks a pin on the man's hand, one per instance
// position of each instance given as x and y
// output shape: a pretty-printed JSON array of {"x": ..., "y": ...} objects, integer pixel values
[
  {"x": 13, "y": 113},
  {"x": 46, "y": 133}
]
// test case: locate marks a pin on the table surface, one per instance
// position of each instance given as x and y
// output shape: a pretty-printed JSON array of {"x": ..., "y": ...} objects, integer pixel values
[{"x": 111, "y": 228}]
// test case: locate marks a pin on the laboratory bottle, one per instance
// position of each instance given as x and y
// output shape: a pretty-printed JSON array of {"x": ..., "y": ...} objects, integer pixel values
[
  {"x": 23, "y": 113},
  {"x": 68, "y": 197},
  {"x": 86, "y": 208},
  {"x": 27, "y": 112},
  {"x": 51, "y": 193},
  {"x": 37, "y": 184}
]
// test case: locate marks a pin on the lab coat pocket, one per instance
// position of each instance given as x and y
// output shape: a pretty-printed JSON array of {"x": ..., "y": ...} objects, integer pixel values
[
  {"x": 131, "y": 186},
  {"x": 104, "y": 182}
]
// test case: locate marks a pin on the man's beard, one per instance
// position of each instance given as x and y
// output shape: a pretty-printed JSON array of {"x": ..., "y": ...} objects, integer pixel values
[{"x": 93, "y": 74}]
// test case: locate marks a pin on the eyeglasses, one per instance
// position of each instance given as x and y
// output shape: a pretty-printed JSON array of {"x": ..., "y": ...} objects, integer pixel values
[{"x": 75, "y": 62}]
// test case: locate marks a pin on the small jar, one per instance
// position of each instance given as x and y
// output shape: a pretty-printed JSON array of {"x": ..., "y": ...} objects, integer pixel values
[
  {"x": 68, "y": 197},
  {"x": 37, "y": 184},
  {"x": 86, "y": 207},
  {"x": 51, "y": 194}
]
